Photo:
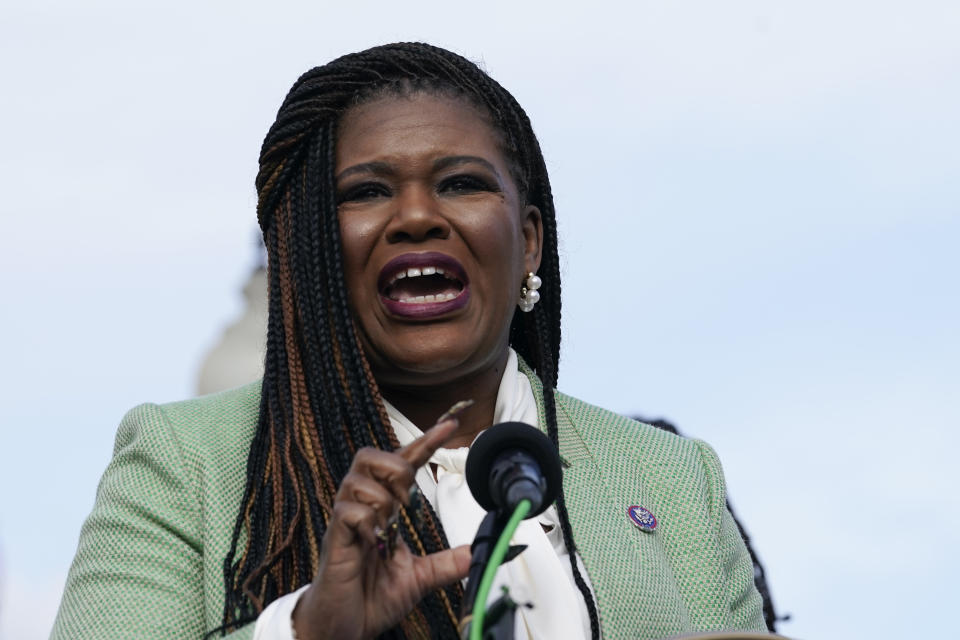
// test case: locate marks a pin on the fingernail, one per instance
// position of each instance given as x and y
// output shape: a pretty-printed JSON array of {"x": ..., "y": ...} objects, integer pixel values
[{"x": 455, "y": 409}]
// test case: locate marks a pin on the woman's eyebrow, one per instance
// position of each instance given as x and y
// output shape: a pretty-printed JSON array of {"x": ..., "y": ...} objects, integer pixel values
[
  {"x": 376, "y": 168},
  {"x": 452, "y": 161},
  {"x": 387, "y": 169}
]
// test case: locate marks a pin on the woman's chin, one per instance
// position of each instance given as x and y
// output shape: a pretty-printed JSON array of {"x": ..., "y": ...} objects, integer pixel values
[{"x": 435, "y": 364}]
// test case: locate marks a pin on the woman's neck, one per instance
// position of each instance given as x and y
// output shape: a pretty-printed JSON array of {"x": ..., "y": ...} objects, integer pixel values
[{"x": 424, "y": 405}]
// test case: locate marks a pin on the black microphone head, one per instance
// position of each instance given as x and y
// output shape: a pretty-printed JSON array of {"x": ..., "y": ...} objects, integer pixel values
[{"x": 511, "y": 436}]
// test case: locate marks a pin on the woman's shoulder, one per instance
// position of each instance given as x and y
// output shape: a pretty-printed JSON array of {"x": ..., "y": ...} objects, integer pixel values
[
  {"x": 602, "y": 425},
  {"x": 165, "y": 508},
  {"x": 216, "y": 414},
  {"x": 220, "y": 424},
  {"x": 607, "y": 434}
]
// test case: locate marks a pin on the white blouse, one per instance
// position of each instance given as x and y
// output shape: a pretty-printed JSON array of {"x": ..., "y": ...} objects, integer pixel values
[{"x": 541, "y": 575}]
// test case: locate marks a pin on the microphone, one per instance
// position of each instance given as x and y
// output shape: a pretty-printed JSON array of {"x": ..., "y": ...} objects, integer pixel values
[
  {"x": 507, "y": 463},
  {"x": 512, "y": 461}
]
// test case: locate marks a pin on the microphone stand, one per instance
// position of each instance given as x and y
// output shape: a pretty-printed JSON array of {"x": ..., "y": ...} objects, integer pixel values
[
  {"x": 498, "y": 619},
  {"x": 488, "y": 533},
  {"x": 514, "y": 471},
  {"x": 499, "y": 623}
]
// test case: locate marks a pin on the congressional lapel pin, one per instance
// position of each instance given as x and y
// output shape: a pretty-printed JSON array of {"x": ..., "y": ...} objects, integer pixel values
[{"x": 642, "y": 518}]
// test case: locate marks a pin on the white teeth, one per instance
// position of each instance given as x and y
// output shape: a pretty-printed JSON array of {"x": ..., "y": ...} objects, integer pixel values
[
  {"x": 440, "y": 297},
  {"x": 413, "y": 272}
]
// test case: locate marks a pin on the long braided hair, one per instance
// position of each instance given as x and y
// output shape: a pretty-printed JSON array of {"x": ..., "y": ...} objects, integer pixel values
[{"x": 320, "y": 402}]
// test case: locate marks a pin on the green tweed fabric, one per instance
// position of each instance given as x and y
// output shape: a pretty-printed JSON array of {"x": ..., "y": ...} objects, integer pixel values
[
  {"x": 693, "y": 572},
  {"x": 150, "y": 559}
]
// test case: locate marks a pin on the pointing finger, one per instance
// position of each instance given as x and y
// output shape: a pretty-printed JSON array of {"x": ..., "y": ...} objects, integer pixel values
[{"x": 419, "y": 451}]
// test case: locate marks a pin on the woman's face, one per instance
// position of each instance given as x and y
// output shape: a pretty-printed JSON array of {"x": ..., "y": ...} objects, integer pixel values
[{"x": 436, "y": 241}]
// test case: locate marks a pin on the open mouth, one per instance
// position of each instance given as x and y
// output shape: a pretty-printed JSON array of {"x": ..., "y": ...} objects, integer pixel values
[{"x": 423, "y": 284}]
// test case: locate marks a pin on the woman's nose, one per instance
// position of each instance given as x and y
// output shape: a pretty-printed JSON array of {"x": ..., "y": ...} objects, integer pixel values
[{"x": 416, "y": 217}]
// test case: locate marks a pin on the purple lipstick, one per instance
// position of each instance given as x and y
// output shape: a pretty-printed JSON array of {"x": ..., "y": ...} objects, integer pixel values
[{"x": 423, "y": 285}]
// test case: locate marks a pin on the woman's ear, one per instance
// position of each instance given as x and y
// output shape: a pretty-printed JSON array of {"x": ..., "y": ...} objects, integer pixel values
[{"x": 533, "y": 238}]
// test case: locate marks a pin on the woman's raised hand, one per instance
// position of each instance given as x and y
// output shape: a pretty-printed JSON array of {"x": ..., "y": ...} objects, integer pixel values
[{"x": 363, "y": 588}]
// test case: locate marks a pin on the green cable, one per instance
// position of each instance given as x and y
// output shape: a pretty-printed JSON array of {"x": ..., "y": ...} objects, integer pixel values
[{"x": 499, "y": 551}]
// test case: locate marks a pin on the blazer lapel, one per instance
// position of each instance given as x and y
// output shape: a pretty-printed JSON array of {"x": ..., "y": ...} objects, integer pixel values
[{"x": 627, "y": 567}]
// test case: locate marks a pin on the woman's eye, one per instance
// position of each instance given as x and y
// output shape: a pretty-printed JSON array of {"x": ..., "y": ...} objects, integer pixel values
[
  {"x": 363, "y": 192},
  {"x": 466, "y": 184}
]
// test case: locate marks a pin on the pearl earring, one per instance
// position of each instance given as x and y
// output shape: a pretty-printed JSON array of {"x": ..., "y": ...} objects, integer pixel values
[{"x": 529, "y": 295}]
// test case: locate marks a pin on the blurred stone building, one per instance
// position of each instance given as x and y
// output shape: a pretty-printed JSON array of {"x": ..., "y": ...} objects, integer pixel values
[{"x": 237, "y": 357}]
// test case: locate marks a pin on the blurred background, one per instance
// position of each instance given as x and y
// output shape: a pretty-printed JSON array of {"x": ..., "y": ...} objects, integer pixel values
[{"x": 759, "y": 210}]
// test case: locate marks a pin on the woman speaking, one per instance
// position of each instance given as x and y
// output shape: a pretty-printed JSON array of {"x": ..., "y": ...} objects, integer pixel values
[{"x": 414, "y": 300}]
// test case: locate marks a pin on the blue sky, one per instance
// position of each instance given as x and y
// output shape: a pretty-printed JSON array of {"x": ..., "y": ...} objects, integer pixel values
[{"x": 759, "y": 212}]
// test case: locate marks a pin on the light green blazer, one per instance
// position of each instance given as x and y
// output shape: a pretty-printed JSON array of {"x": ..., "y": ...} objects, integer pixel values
[{"x": 150, "y": 559}]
